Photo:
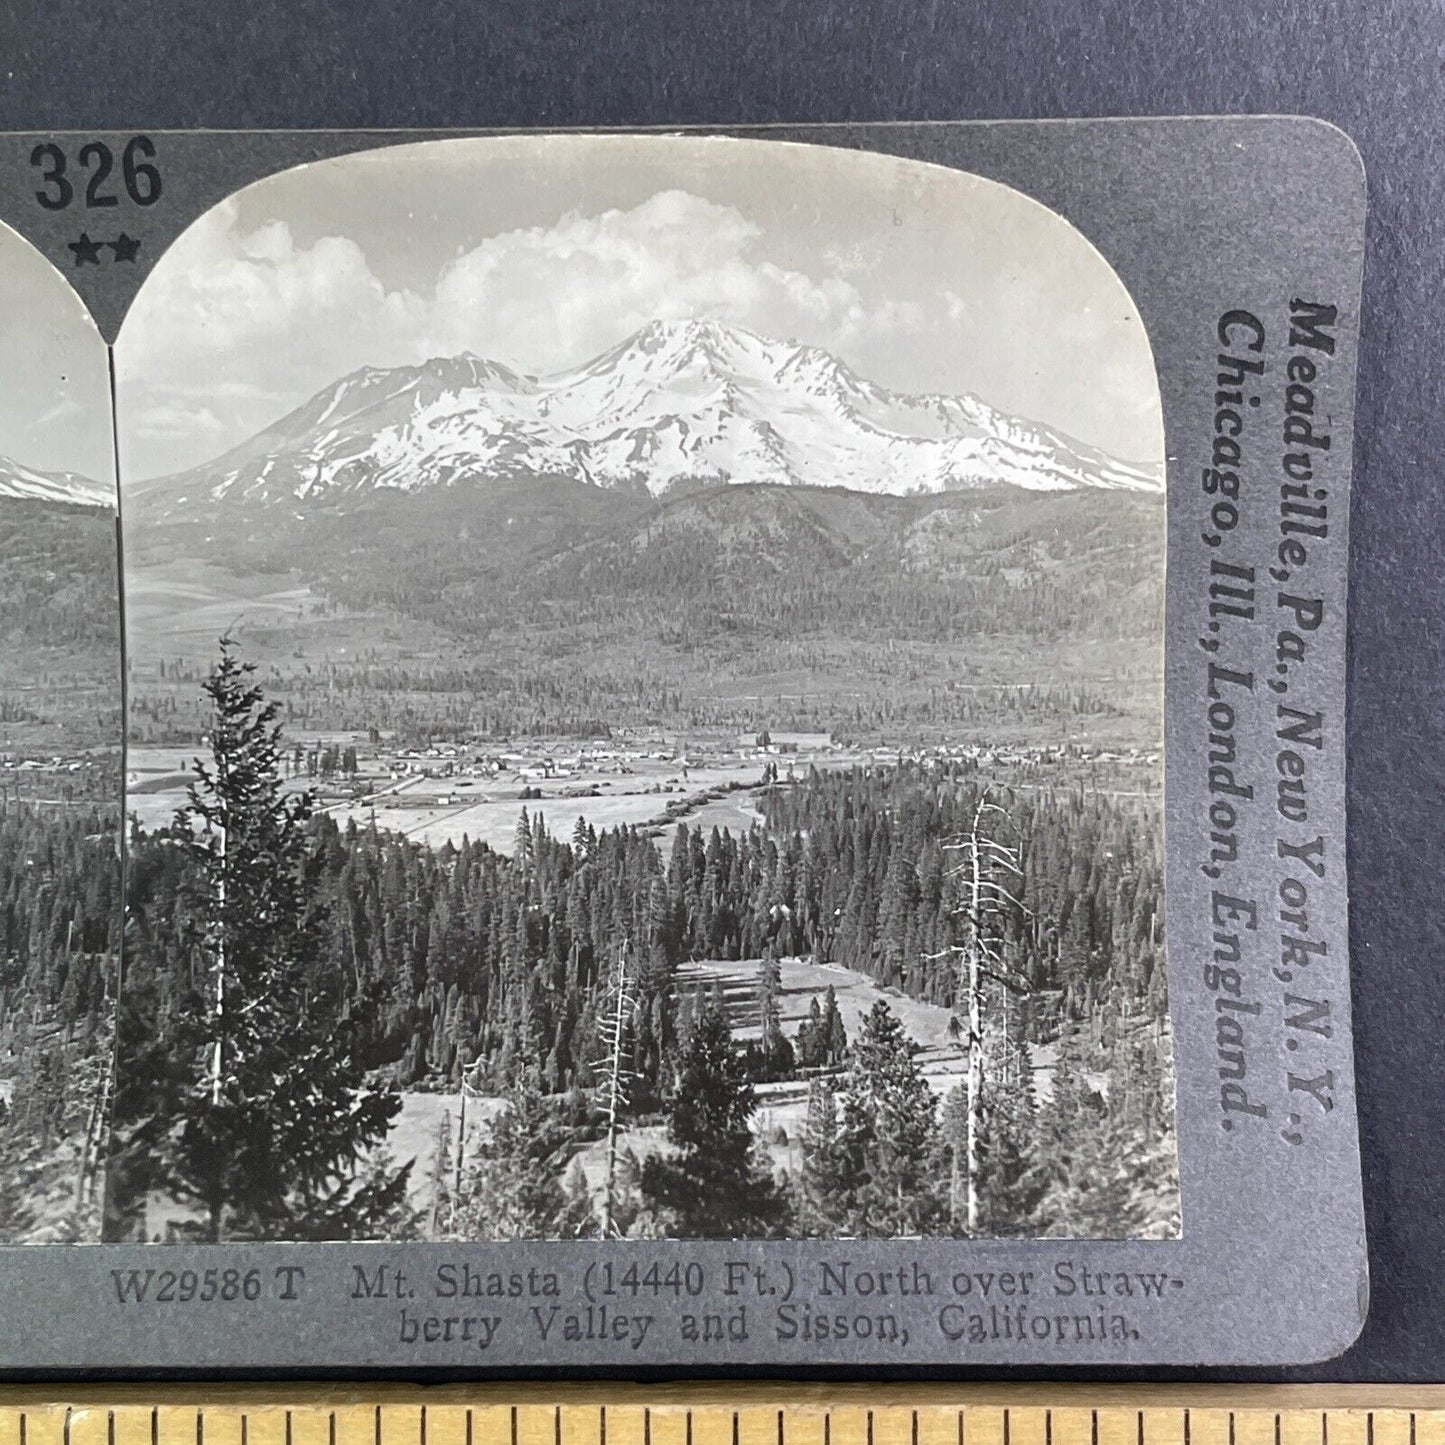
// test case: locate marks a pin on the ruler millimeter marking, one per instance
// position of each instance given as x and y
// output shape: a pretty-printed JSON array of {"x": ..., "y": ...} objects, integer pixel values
[{"x": 723, "y": 1415}]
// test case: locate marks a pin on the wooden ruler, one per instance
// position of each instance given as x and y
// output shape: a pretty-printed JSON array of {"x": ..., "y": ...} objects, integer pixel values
[{"x": 720, "y": 1414}]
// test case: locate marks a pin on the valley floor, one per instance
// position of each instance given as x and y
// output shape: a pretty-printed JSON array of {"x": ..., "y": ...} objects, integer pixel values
[{"x": 652, "y": 781}]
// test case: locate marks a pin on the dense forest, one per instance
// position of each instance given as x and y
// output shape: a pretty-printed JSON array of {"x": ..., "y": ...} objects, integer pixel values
[
  {"x": 388, "y": 965},
  {"x": 59, "y": 922}
]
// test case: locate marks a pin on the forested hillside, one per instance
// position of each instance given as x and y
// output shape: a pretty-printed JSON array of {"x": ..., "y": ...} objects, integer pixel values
[
  {"x": 59, "y": 627},
  {"x": 552, "y": 554},
  {"x": 559, "y": 608},
  {"x": 58, "y": 563},
  {"x": 787, "y": 563}
]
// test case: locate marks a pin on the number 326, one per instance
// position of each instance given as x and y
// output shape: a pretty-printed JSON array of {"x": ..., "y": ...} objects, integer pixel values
[{"x": 141, "y": 179}]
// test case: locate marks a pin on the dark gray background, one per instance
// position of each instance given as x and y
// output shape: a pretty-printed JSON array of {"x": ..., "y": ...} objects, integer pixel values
[{"x": 1374, "y": 67}]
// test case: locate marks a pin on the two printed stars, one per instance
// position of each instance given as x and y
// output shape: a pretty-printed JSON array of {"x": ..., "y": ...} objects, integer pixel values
[{"x": 87, "y": 252}]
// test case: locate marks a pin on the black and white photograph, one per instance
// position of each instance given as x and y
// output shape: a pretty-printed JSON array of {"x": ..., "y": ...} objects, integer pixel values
[
  {"x": 645, "y": 667},
  {"x": 60, "y": 755}
]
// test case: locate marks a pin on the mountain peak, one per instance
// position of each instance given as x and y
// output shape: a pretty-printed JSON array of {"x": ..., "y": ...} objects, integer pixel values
[
  {"x": 679, "y": 403},
  {"x": 691, "y": 331},
  {"x": 662, "y": 330},
  {"x": 680, "y": 342}
]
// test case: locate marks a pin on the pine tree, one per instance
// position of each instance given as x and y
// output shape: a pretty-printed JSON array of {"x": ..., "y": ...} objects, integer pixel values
[
  {"x": 274, "y": 1120},
  {"x": 718, "y": 1186},
  {"x": 1008, "y": 1188},
  {"x": 1101, "y": 1171},
  {"x": 887, "y": 1138},
  {"x": 835, "y": 1036},
  {"x": 514, "y": 1188},
  {"x": 772, "y": 1057},
  {"x": 819, "y": 1190},
  {"x": 809, "y": 1052},
  {"x": 382, "y": 1200},
  {"x": 522, "y": 845},
  {"x": 1071, "y": 1173}
]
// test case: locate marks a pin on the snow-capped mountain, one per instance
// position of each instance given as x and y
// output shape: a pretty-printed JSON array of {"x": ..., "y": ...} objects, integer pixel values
[
  {"x": 25, "y": 484},
  {"x": 677, "y": 406}
]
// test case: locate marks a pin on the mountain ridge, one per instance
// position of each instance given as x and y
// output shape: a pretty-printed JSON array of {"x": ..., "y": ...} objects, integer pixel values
[
  {"x": 20, "y": 483},
  {"x": 676, "y": 406}
]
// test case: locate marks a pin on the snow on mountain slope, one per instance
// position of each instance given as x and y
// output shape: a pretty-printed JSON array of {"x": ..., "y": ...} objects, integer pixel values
[
  {"x": 24, "y": 484},
  {"x": 677, "y": 405}
]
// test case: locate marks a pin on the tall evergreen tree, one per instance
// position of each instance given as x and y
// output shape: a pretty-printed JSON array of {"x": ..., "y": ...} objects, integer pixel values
[
  {"x": 832, "y": 1033},
  {"x": 820, "y": 1187},
  {"x": 772, "y": 1056},
  {"x": 822, "y": 1038},
  {"x": 887, "y": 1138},
  {"x": 269, "y": 1127},
  {"x": 719, "y": 1185}
]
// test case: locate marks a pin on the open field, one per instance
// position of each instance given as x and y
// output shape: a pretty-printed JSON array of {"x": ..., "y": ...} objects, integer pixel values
[{"x": 414, "y": 1132}]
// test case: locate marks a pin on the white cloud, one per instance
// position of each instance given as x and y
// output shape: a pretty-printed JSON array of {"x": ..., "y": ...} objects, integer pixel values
[
  {"x": 235, "y": 326},
  {"x": 237, "y": 289},
  {"x": 547, "y": 297}
]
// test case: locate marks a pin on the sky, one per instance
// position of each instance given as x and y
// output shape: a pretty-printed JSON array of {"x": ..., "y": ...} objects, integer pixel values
[
  {"x": 541, "y": 252},
  {"x": 54, "y": 381}
]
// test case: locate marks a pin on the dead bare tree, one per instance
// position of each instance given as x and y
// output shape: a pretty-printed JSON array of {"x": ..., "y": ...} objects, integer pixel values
[
  {"x": 990, "y": 871},
  {"x": 466, "y": 1090},
  {"x": 617, "y": 1015}
]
